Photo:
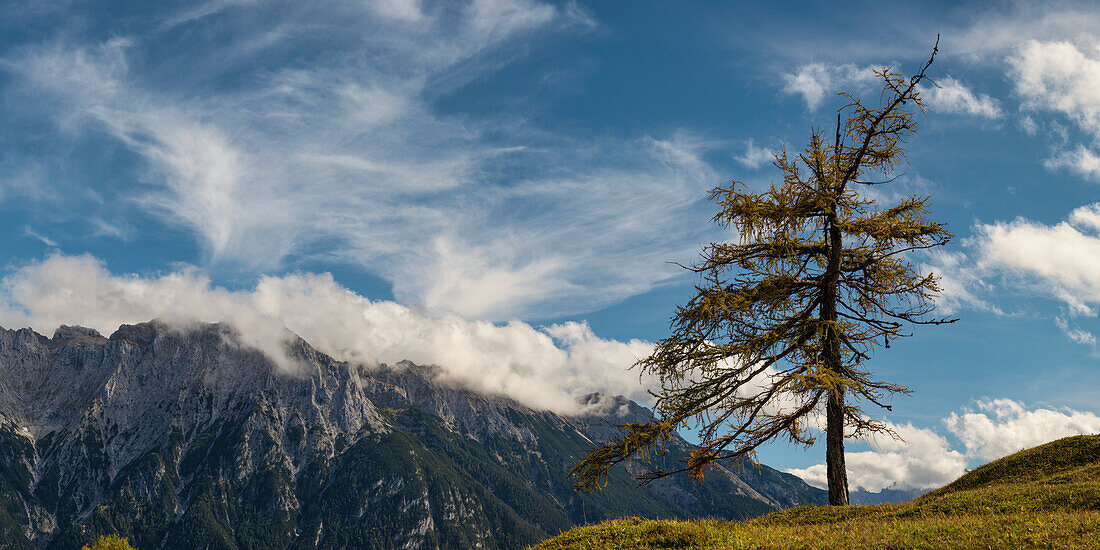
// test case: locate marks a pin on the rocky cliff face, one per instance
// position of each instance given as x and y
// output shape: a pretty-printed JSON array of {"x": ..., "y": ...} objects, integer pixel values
[{"x": 184, "y": 438}]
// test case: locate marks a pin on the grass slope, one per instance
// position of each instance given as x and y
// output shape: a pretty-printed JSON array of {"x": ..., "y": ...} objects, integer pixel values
[{"x": 1045, "y": 497}]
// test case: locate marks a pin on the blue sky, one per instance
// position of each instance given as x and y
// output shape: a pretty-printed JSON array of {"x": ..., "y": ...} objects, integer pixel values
[{"x": 511, "y": 178}]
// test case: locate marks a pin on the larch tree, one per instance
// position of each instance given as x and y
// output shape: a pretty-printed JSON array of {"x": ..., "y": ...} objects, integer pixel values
[
  {"x": 109, "y": 542},
  {"x": 785, "y": 317}
]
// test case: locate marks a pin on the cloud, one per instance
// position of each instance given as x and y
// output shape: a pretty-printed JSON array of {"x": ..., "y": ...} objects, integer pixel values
[
  {"x": 1001, "y": 427},
  {"x": 978, "y": 35},
  {"x": 200, "y": 170},
  {"x": 1062, "y": 260},
  {"x": 495, "y": 19},
  {"x": 951, "y": 96},
  {"x": 925, "y": 459},
  {"x": 922, "y": 461},
  {"x": 407, "y": 10},
  {"x": 40, "y": 237},
  {"x": 25, "y": 182},
  {"x": 1062, "y": 77},
  {"x": 754, "y": 156},
  {"x": 1059, "y": 261},
  {"x": 813, "y": 81},
  {"x": 349, "y": 159},
  {"x": 1076, "y": 334},
  {"x": 1086, "y": 217},
  {"x": 207, "y": 9},
  {"x": 1000, "y": 30},
  {"x": 1081, "y": 160},
  {"x": 1029, "y": 125},
  {"x": 542, "y": 367},
  {"x": 959, "y": 283}
]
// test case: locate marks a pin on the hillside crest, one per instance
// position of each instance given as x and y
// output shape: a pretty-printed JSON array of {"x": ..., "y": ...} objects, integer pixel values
[{"x": 1043, "y": 497}]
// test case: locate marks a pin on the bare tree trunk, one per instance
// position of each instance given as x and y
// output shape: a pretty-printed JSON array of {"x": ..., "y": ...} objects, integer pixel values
[
  {"x": 834, "y": 409},
  {"x": 834, "y": 450}
]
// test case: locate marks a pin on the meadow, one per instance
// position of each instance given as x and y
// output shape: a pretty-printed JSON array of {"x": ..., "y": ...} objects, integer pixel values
[{"x": 1044, "y": 497}]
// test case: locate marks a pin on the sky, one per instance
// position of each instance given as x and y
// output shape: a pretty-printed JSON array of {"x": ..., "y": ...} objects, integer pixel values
[{"x": 504, "y": 187}]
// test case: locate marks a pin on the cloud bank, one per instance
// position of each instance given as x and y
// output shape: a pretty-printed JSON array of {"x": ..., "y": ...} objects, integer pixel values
[
  {"x": 546, "y": 368},
  {"x": 543, "y": 367}
]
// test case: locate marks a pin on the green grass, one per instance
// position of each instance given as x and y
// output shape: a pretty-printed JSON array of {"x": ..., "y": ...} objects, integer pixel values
[{"x": 1045, "y": 497}]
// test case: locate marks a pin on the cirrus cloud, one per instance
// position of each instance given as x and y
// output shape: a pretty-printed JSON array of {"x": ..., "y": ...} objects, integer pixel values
[{"x": 349, "y": 159}]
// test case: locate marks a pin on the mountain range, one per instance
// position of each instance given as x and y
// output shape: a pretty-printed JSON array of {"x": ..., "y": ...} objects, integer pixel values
[{"x": 183, "y": 437}]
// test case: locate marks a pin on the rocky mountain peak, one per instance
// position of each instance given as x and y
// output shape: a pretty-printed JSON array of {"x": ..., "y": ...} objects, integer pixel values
[
  {"x": 76, "y": 334},
  {"x": 144, "y": 333},
  {"x": 183, "y": 437}
]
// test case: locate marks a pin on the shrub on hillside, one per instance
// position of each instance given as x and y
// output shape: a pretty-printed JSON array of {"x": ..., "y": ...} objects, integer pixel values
[{"x": 110, "y": 542}]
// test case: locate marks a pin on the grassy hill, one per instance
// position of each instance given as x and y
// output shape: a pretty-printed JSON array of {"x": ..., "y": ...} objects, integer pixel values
[{"x": 1044, "y": 497}]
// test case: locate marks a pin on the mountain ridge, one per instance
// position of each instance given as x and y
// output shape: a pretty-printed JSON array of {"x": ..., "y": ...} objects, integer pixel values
[{"x": 177, "y": 436}]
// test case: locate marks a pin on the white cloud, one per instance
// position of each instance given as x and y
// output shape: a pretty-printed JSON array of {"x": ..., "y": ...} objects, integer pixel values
[
  {"x": 201, "y": 170},
  {"x": 814, "y": 81},
  {"x": 1059, "y": 261},
  {"x": 1059, "y": 77},
  {"x": 1029, "y": 125},
  {"x": 754, "y": 156},
  {"x": 924, "y": 459},
  {"x": 204, "y": 10},
  {"x": 38, "y": 236},
  {"x": 542, "y": 367},
  {"x": 1064, "y": 258},
  {"x": 1005, "y": 27},
  {"x": 28, "y": 183},
  {"x": 1062, "y": 77},
  {"x": 1086, "y": 217},
  {"x": 350, "y": 161},
  {"x": 1076, "y": 334},
  {"x": 952, "y": 96},
  {"x": 959, "y": 282},
  {"x": 1081, "y": 160},
  {"x": 980, "y": 35},
  {"x": 1001, "y": 427},
  {"x": 495, "y": 19},
  {"x": 408, "y": 10}
]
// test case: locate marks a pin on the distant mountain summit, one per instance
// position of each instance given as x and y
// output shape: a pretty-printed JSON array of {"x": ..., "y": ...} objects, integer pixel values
[{"x": 186, "y": 438}]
